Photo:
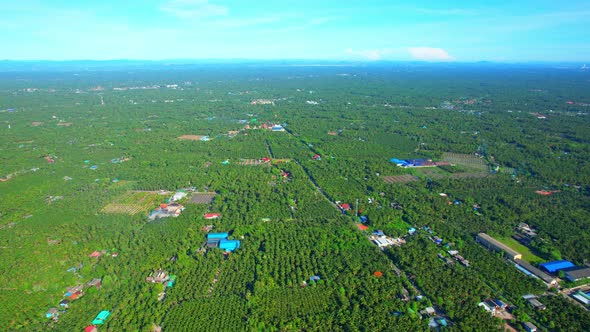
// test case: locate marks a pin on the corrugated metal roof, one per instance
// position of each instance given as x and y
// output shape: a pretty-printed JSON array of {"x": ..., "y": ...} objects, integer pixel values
[
  {"x": 580, "y": 273},
  {"x": 229, "y": 245},
  {"x": 540, "y": 274},
  {"x": 556, "y": 265},
  {"x": 217, "y": 235}
]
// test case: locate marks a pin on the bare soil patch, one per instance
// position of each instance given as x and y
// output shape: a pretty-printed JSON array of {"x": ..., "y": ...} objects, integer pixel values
[
  {"x": 190, "y": 137},
  {"x": 202, "y": 198}
]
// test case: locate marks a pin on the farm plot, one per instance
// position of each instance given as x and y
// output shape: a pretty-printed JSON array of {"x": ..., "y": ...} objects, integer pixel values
[
  {"x": 468, "y": 160},
  {"x": 400, "y": 178},
  {"x": 202, "y": 198},
  {"x": 133, "y": 202},
  {"x": 190, "y": 137},
  {"x": 251, "y": 162},
  {"x": 440, "y": 173},
  {"x": 471, "y": 175}
]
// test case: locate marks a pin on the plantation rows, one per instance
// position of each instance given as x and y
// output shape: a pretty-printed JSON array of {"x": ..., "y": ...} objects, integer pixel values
[{"x": 226, "y": 313}]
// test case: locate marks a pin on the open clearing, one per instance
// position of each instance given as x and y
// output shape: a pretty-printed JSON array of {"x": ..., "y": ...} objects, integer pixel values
[
  {"x": 437, "y": 173},
  {"x": 133, "y": 202},
  {"x": 527, "y": 255},
  {"x": 190, "y": 137},
  {"x": 468, "y": 160},
  {"x": 466, "y": 166},
  {"x": 251, "y": 162},
  {"x": 202, "y": 198}
]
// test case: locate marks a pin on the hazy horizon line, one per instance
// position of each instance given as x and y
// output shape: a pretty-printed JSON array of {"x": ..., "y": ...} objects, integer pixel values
[{"x": 364, "y": 61}]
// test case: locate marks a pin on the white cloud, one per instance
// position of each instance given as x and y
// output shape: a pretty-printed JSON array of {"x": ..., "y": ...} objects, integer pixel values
[
  {"x": 193, "y": 8},
  {"x": 371, "y": 55},
  {"x": 429, "y": 54}
]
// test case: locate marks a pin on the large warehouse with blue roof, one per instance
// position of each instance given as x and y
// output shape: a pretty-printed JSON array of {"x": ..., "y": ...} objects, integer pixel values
[{"x": 556, "y": 266}]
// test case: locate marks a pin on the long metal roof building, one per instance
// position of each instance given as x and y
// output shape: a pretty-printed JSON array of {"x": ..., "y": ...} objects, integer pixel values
[
  {"x": 555, "y": 266},
  {"x": 496, "y": 245},
  {"x": 538, "y": 273}
]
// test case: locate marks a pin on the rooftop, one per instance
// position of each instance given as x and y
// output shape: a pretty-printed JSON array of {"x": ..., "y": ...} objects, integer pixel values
[
  {"x": 578, "y": 273},
  {"x": 540, "y": 274},
  {"x": 556, "y": 265}
]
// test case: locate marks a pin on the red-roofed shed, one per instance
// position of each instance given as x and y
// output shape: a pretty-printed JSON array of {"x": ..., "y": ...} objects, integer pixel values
[
  {"x": 90, "y": 328},
  {"x": 345, "y": 206},
  {"x": 212, "y": 215},
  {"x": 362, "y": 227},
  {"x": 95, "y": 254}
]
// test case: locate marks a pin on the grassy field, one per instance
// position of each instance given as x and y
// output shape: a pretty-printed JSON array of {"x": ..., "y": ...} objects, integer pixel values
[
  {"x": 466, "y": 160},
  {"x": 527, "y": 255},
  {"x": 134, "y": 202}
]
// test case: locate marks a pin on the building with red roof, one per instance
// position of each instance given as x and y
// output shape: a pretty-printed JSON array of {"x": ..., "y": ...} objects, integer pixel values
[
  {"x": 362, "y": 227},
  {"x": 95, "y": 254},
  {"x": 90, "y": 328}
]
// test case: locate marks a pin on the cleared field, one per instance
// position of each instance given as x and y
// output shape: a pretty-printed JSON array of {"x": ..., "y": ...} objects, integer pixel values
[
  {"x": 527, "y": 255},
  {"x": 437, "y": 173},
  {"x": 468, "y": 160},
  {"x": 202, "y": 198},
  {"x": 400, "y": 178},
  {"x": 190, "y": 137},
  {"x": 251, "y": 162},
  {"x": 471, "y": 175},
  {"x": 133, "y": 202}
]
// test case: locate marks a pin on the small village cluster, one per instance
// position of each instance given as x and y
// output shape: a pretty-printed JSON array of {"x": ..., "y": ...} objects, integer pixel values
[
  {"x": 551, "y": 273},
  {"x": 169, "y": 209},
  {"x": 73, "y": 293}
]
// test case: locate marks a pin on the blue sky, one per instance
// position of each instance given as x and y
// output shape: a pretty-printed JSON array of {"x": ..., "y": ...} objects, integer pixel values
[{"x": 469, "y": 30}]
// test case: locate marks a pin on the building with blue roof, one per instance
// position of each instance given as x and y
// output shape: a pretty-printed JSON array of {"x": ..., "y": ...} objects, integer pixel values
[
  {"x": 217, "y": 236},
  {"x": 556, "y": 266},
  {"x": 229, "y": 245},
  {"x": 399, "y": 162}
]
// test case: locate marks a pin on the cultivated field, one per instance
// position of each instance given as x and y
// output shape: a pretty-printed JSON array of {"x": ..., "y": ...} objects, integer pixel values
[
  {"x": 133, "y": 202},
  {"x": 438, "y": 173},
  {"x": 190, "y": 137},
  {"x": 251, "y": 162},
  {"x": 202, "y": 198},
  {"x": 465, "y": 160}
]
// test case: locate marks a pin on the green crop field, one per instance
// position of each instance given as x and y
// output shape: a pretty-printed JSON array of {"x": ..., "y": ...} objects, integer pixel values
[{"x": 527, "y": 255}]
